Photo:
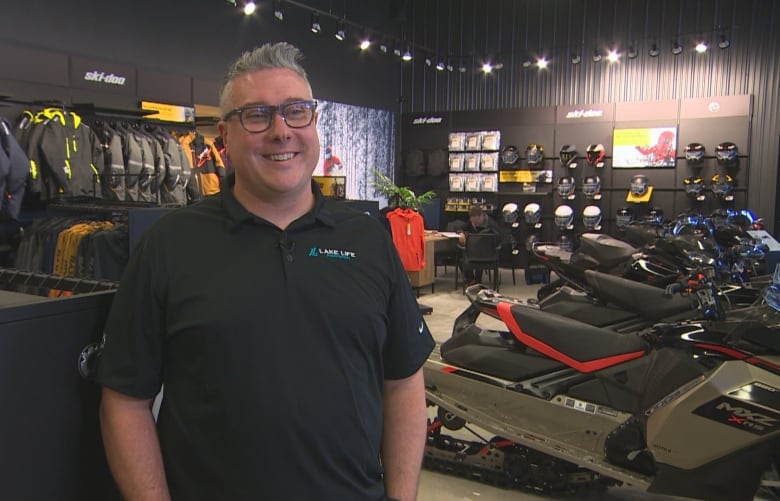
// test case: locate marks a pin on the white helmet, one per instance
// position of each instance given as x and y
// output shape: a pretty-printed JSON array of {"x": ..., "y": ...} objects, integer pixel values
[
  {"x": 591, "y": 216},
  {"x": 564, "y": 216},
  {"x": 532, "y": 213},
  {"x": 510, "y": 212}
]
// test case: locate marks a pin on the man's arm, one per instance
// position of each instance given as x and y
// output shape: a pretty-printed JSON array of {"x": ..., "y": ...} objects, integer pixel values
[
  {"x": 404, "y": 435},
  {"x": 132, "y": 448}
]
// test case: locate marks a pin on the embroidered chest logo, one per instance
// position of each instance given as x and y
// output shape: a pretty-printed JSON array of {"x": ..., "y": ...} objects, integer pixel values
[{"x": 332, "y": 253}]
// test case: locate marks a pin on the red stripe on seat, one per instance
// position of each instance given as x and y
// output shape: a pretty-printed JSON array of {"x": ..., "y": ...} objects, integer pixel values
[{"x": 505, "y": 311}]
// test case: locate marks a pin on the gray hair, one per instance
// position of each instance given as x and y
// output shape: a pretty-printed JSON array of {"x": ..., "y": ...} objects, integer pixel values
[{"x": 267, "y": 56}]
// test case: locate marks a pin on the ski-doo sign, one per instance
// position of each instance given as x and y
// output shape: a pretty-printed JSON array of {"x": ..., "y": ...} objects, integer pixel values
[{"x": 102, "y": 77}]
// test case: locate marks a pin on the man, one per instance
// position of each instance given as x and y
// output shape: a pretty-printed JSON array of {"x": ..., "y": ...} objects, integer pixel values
[
  {"x": 291, "y": 367},
  {"x": 479, "y": 222},
  {"x": 332, "y": 165}
]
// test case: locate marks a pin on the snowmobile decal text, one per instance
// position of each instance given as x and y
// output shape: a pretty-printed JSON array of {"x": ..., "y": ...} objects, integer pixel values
[
  {"x": 332, "y": 253},
  {"x": 740, "y": 414}
]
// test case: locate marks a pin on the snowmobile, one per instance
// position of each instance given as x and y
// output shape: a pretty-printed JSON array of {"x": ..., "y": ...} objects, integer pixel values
[{"x": 687, "y": 408}]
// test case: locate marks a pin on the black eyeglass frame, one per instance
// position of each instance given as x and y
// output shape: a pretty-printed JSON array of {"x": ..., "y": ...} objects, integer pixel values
[{"x": 273, "y": 110}]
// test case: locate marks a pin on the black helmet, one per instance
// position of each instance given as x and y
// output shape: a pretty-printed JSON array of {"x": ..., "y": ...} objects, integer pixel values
[
  {"x": 510, "y": 155},
  {"x": 567, "y": 155},
  {"x": 566, "y": 186},
  {"x": 727, "y": 153},
  {"x": 655, "y": 216},
  {"x": 624, "y": 216},
  {"x": 722, "y": 186},
  {"x": 530, "y": 240},
  {"x": 638, "y": 185},
  {"x": 534, "y": 154},
  {"x": 694, "y": 153},
  {"x": 510, "y": 212},
  {"x": 564, "y": 216},
  {"x": 693, "y": 186},
  {"x": 720, "y": 217},
  {"x": 591, "y": 216},
  {"x": 591, "y": 186},
  {"x": 532, "y": 213},
  {"x": 567, "y": 242},
  {"x": 595, "y": 153}
]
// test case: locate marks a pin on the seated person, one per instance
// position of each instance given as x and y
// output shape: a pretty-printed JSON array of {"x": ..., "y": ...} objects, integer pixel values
[{"x": 479, "y": 222}]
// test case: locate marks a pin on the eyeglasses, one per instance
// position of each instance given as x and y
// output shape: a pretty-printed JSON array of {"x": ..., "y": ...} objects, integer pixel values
[{"x": 258, "y": 118}]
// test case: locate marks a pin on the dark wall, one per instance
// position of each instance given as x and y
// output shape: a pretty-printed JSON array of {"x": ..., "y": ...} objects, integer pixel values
[
  {"x": 199, "y": 40},
  {"x": 473, "y": 31}
]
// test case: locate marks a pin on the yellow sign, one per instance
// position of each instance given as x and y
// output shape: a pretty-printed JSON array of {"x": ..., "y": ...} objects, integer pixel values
[
  {"x": 169, "y": 112},
  {"x": 517, "y": 176}
]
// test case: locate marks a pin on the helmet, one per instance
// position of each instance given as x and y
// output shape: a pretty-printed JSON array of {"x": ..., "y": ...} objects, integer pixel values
[
  {"x": 595, "y": 153},
  {"x": 694, "y": 153},
  {"x": 591, "y": 186},
  {"x": 534, "y": 154},
  {"x": 510, "y": 212},
  {"x": 564, "y": 216},
  {"x": 624, "y": 216},
  {"x": 727, "y": 153},
  {"x": 532, "y": 213},
  {"x": 720, "y": 217},
  {"x": 567, "y": 155},
  {"x": 567, "y": 242},
  {"x": 693, "y": 186},
  {"x": 722, "y": 186},
  {"x": 638, "y": 185},
  {"x": 655, "y": 216},
  {"x": 566, "y": 186},
  {"x": 530, "y": 240},
  {"x": 510, "y": 155},
  {"x": 591, "y": 216}
]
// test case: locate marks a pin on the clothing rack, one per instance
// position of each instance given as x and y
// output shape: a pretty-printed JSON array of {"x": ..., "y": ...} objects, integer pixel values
[{"x": 14, "y": 277}]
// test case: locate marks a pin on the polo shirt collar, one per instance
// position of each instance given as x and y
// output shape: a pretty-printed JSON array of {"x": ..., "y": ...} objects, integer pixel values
[{"x": 236, "y": 214}]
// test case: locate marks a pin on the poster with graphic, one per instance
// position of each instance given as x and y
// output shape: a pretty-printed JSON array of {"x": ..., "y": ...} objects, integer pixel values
[
  {"x": 644, "y": 147},
  {"x": 354, "y": 142}
]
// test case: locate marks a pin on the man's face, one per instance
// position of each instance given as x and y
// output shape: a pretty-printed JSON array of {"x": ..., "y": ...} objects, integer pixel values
[
  {"x": 278, "y": 162},
  {"x": 478, "y": 220}
]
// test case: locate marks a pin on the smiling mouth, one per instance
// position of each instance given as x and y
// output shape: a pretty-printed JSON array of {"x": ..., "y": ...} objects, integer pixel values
[{"x": 281, "y": 157}]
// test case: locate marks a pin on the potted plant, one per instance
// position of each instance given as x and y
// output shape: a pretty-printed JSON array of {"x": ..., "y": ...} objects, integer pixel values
[{"x": 401, "y": 195}]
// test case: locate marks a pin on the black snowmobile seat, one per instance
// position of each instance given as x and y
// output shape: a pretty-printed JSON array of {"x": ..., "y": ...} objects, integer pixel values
[
  {"x": 581, "y": 346},
  {"x": 646, "y": 300},
  {"x": 607, "y": 250}
]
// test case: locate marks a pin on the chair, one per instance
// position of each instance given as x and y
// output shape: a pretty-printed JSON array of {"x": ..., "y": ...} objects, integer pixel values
[{"x": 481, "y": 254}]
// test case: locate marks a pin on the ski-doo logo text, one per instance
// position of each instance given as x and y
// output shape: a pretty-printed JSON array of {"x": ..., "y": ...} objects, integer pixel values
[
  {"x": 332, "y": 253},
  {"x": 740, "y": 414},
  {"x": 101, "y": 77}
]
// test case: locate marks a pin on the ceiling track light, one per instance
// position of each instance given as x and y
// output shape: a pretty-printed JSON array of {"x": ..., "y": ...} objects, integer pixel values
[
  {"x": 676, "y": 48},
  {"x": 249, "y": 8},
  {"x": 365, "y": 43},
  {"x": 383, "y": 47},
  {"x": 527, "y": 62},
  {"x": 576, "y": 58},
  {"x": 316, "y": 27},
  {"x": 340, "y": 33},
  {"x": 407, "y": 55},
  {"x": 449, "y": 65},
  {"x": 654, "y": 50},
  {"x": 596, "y": 55},
  {"x": 278, "y": 11},
  {"x": 632, "y": 52},
  {"x": 542, "y": 63},
  {"x": 702, "y": 47},
  {"x": 723, "y": 41},
  {"x": 440, "y": 66}
]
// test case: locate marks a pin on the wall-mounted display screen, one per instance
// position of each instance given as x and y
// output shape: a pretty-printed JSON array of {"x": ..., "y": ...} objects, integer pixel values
[{"x": 644, "y": 147}]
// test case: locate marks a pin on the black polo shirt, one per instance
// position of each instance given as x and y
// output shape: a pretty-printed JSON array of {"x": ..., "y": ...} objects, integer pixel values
[{"x": 272, "y": 346}]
